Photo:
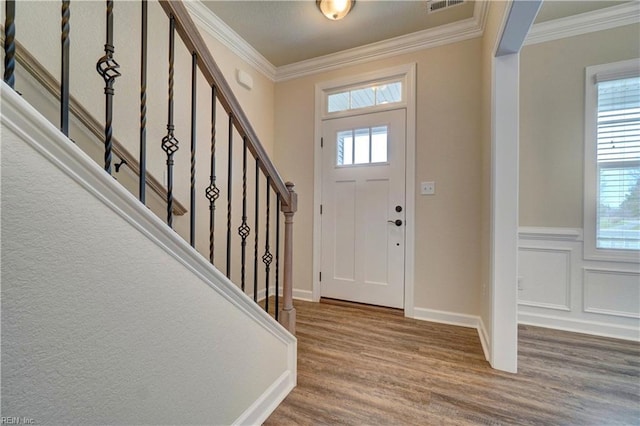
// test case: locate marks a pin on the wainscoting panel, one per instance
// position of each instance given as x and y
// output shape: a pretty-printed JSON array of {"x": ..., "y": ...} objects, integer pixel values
[
  {"x": 544, "y": 277},
  {"x": 557, "y": 288},
  {"x": 612, "y": 292}
]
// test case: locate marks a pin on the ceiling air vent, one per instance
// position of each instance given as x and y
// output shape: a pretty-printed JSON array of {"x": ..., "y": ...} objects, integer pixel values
[{"x": 436, "y": 5}]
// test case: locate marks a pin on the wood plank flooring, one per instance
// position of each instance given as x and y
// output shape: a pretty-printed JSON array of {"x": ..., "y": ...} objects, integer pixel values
[{"x": 369, "y": 365}]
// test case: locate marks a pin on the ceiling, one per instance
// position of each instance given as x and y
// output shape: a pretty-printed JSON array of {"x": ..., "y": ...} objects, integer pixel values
[
  {"x": 285, "y": 32},
  {"x": 291, "y": 31}
]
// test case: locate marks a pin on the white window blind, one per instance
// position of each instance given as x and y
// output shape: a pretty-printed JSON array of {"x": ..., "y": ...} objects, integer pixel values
[{"x": 618, "y": 163}]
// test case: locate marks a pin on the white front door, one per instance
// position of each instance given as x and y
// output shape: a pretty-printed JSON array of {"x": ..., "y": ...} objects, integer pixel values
[{"x": 363, "y": 208}]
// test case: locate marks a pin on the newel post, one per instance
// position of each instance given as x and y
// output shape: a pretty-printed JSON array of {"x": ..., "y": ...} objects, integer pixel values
[{"x": 288, "y": 312}]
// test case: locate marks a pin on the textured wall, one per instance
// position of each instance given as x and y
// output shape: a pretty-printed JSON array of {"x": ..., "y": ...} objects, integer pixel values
[{"x": 100, "y": 324}]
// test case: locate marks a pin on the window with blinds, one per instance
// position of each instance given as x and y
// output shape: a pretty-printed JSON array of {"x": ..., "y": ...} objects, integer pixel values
[{"x": 618, "y": 164}]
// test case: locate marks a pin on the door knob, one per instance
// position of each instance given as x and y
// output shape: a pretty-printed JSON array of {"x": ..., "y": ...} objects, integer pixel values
[
  {"x": 397, "y": 222},
  {"x": 398, "y": 209}
]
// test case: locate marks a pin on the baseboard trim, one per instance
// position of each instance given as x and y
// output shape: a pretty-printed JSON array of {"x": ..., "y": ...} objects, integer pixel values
[
  {"x": 484, "y": 339},
  {"x": 460, "y": 320},
  {"x": 445, "y": 317},
  {"x": 306, "y": 295},
  {"x": 260, "y": 410},
  {"x": 580, "y": 326}
]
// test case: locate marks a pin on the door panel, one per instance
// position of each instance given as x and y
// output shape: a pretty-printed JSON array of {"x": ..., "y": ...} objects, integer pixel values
[
  {"x": 344, "y": 246},
  {"x": 375, "y": 199},
  {"x": 363, "y": 182}
]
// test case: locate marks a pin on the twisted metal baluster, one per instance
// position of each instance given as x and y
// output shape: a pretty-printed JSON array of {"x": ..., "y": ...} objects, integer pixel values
[
  {"x": 255, "y": 239},
  {"x": 243, "y": 229},
  {"x": 64, "y": 67},
  {"x": 169, "y": 142},
  {"x": 107, "y": 67},
  {"x": 277, "y": 290},
  {"x": 142, "y": 181},
  {"x": 212, "y": 192},
  {"x": 267, "y": 258},
  {"x": 192, "y": 216},
  {"x": 9, "y": 43},
  {"x": 229, "y": 194}
]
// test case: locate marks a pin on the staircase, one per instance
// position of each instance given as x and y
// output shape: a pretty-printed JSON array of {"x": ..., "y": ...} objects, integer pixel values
[{"x": 132, "y": 283}]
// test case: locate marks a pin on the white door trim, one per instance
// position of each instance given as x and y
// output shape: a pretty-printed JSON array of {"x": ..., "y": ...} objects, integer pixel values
[
  {"x": 504, "y": 214},
  {"x": 408, "y": 73},
  {"x": 505, "y": 126}
]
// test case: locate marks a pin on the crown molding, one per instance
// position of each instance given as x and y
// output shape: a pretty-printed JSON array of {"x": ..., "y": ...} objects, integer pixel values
[
  {"x": 433, "y": 37},
  {"x": 459, "y": 31},
  {"x": 452, "y": 33},
  {"x": 480, "y": 13},
  {"x": 598, "y": 20},
  {"x": 584, "y": 23},
  {"x": 216, "y": 28}
]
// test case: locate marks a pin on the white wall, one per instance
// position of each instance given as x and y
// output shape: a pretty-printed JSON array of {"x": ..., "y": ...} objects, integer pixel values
[
  {"x": 558, "y": 287},
  {"x": 108, "y": 317}
]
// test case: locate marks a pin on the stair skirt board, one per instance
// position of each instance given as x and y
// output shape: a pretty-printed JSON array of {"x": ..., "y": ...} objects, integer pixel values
[{"x": 29, "y": 126}]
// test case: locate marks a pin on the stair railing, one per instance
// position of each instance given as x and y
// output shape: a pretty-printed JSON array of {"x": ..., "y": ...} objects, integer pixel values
[{"x": 285, "y": 198}]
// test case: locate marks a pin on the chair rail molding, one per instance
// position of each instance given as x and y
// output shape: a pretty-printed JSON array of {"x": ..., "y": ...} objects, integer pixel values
[{"x": 545, "y": 233}]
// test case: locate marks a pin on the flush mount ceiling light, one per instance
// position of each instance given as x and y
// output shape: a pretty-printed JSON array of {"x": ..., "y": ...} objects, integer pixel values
[{"x": 335, "y": 9}]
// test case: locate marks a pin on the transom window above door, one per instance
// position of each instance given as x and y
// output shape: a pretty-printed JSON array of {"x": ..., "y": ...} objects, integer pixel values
[
  {"x": 357, "y": 98},
  {"x": 367, "y": 145}
]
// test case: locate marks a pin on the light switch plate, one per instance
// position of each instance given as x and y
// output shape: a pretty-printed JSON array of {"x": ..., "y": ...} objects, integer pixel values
[{"x": 428, "y": 188}]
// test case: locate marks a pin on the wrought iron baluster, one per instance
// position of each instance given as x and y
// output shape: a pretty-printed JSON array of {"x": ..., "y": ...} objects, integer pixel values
[
  {"x": 10, "y": 43},
  {"x": 267, "y": 257},
  {"x": 169, "y": 142},
  {"x": 255, "y": 238},
  {"x": 142, "y": 182},
  {"x": 277, "y": 289},
  {"x": 243, "y": 229},
  {"x": 107, "y": 67},
  {"x": 192, "y": 216},
  {"x": 229, "y": 194},
  {"x": 64, "y": 67},
  {"x": 212, "y": 192}
]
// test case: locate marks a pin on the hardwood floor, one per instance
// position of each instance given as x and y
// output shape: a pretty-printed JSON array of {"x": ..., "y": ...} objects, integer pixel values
[{"x": 369, "y": 365}]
